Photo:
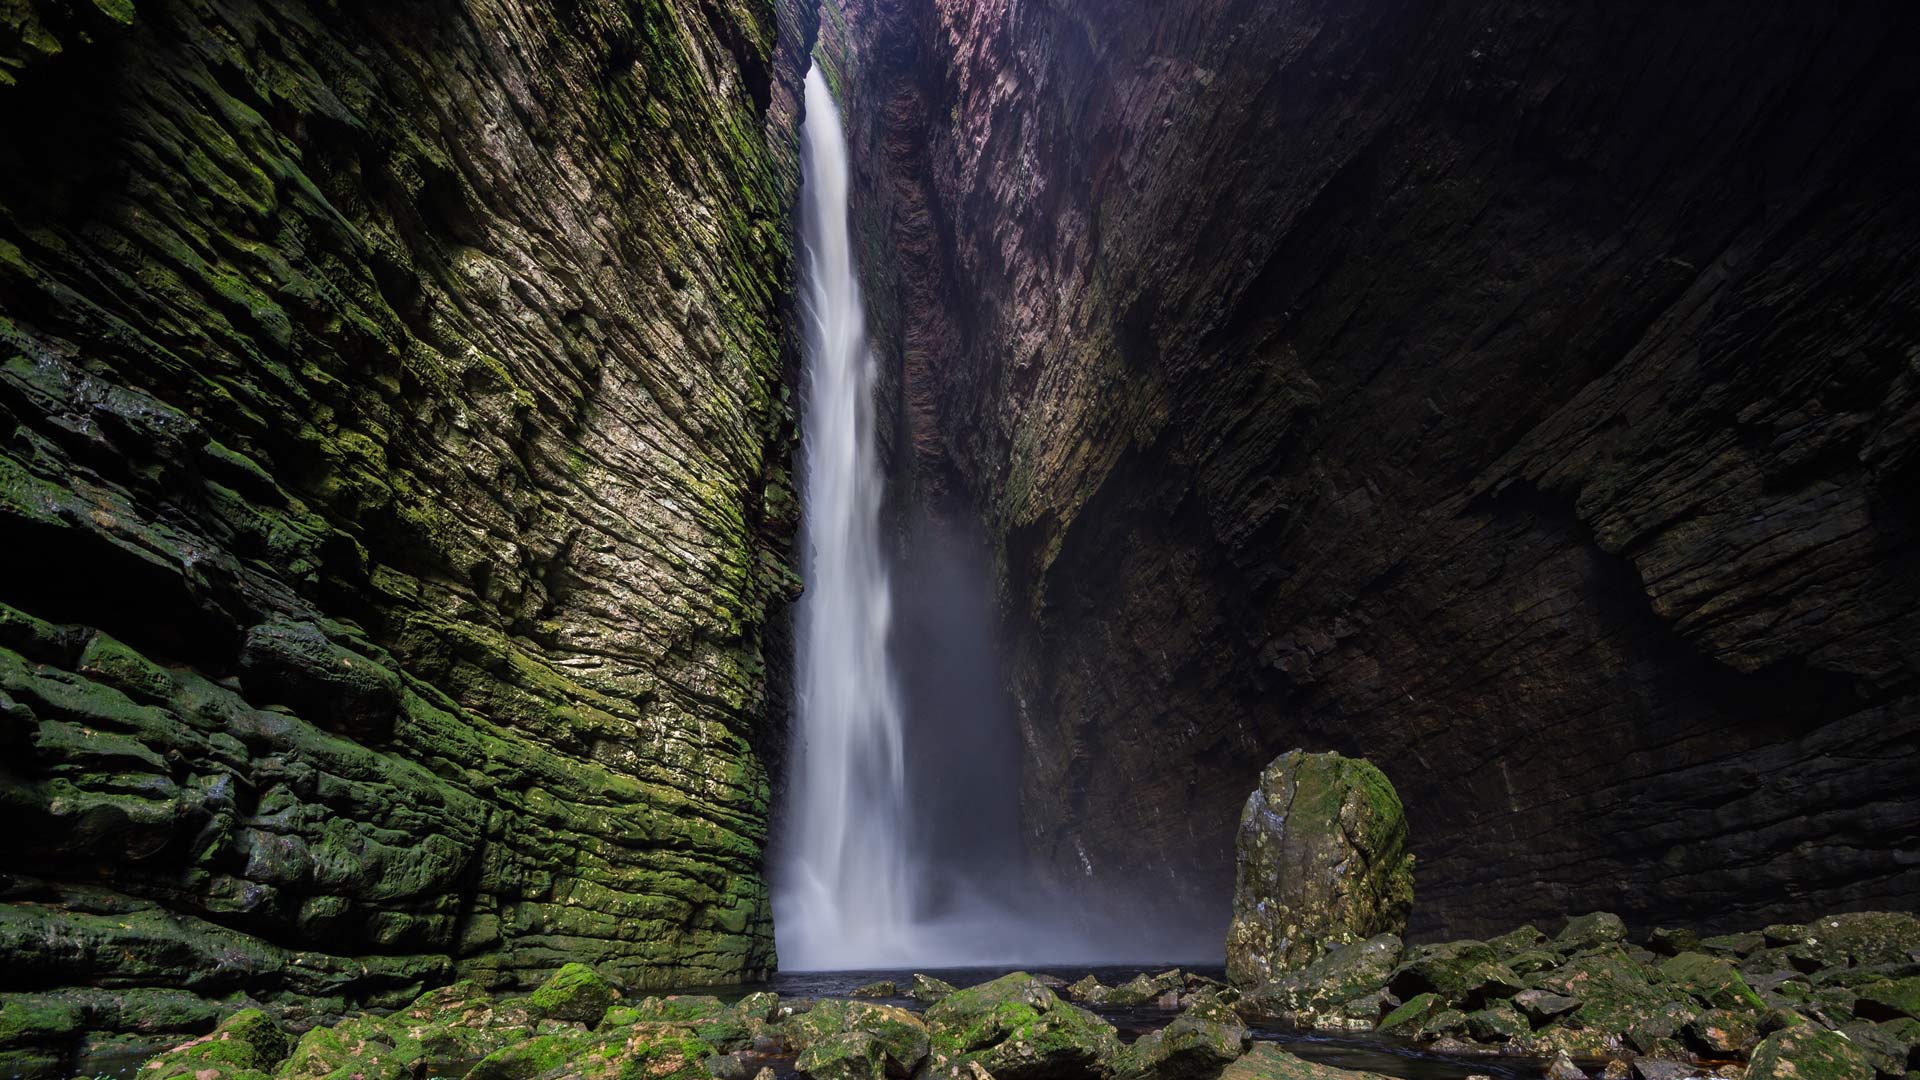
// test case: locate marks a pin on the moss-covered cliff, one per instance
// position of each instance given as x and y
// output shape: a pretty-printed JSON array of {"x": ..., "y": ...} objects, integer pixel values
[
  {"x": 393, "y": 490},
  {"x": 1521, "y": 396}
]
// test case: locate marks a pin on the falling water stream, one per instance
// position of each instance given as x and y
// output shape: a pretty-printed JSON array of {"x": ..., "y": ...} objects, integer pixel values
[
  {"x": 845, "y": 898},
  {"x": 900, "y": 841}
]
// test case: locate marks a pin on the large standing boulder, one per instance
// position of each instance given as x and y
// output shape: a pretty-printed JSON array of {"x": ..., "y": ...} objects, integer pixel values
[{"x": 1322, "y": 861}]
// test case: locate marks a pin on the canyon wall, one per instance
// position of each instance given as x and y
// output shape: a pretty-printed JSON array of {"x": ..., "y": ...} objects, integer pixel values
[
  {"x": 394, "y": 445},
  {"x": 1525, "y": 397}
]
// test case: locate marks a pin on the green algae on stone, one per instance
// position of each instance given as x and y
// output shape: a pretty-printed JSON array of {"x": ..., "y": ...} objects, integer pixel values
[
  {"x": 1807, "y": 1052},
  {"x": 1346, "y": 973},
  {"x": 245, "y": 1046},
  {"x": 576, "y": 992},
  {"x": 356, "y": 1048},
  {"x": 1205, "y": 1037},
  {"x": 1321, "y": 861},
  {"x": 1016, "y": 1028}
]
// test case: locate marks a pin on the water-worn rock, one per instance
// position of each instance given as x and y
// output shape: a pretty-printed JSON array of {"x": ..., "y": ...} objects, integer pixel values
[
  {"x": 358, "y": 1048},
  {"x": 930, "y": 990},
  {"x": 576, "y": 992},
  {"x": 856, "y": 1035},
  {"x": 1591, "y": 931},
  {"x": 883, "y": 988},
  {"x": 461, "y": 1023},
  {"x": 1018, "y": 1029},
  {"x": 1345, "y": 974},
  {"x": 391, "y": 419},
  {"x": 1267, "y": 1061},
  {"x": 246, "y": 1046},
  {"x": 1807, "y": 1052},
  {"x": 1194, "y": 1046},
  {"x": 1321, "y": 861}
]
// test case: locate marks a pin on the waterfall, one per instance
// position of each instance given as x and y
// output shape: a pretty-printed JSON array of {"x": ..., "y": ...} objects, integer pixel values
[{"x": 845, "y": 898}]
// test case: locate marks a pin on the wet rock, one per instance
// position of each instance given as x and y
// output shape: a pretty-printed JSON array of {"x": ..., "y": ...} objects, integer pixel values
[
  {"x": 1673, "y": 941},
  {"x": 1321, "y": 861},
  {"x": 1563, "y": 1068},
  {"x": 1616, "y": 1069},
  {"x": 1724, "y": 1032},
  {"x": 1144, "y": 989},
  {"x": 734, "y": 1066},
  {"x": 627, "y": 1053},
  {"x": 1497, "y": 1023},
  {"x": 1018, "y": 1029},
  {"x": 1662, "y": 1069},
  {"x": 1657, "y": 1031},
  {"x": 853, "y": 1035},
  {"x": 1592, "y": 931},
  {"x": 1807, "y": 1052},
  {"x": 1885, "y": 1050},
  {"x": 882, "y": 989},
  {"x": 1089, "y": 991},
  {"x": 576, "y": 992},
  {"x": 357, "y": 1048},
  {"x": 1888, "y": 999},
  {"x": 1615, "y": 991},
  {"x": 1712, "y": 981},
  {"x": 1735, "y": 945},
  {"x": 1464, "y": 972},
  {"x": 246, "y": 1046},
  {"x": 1346, "y": 973},
  {"x": 461, "y": 1023},
  {"x": 1542, "y": 1006},
  {"x": 1523, "y": 939},
  {"x": 930, "y": 990},
  {"x": 1202, "y": 1039},
  {"x": 1862, "y": 939},
  {"x": 1267, "y": 1061}
]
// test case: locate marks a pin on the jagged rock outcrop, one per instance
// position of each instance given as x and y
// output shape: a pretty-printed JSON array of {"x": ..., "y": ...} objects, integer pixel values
[
  {"x": 1522, "y": 398},
  {"x": 393, "y": 482}
]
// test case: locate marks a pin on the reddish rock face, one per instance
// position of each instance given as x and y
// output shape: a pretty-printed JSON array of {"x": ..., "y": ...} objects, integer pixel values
[{"x": 1521, "y": 396}]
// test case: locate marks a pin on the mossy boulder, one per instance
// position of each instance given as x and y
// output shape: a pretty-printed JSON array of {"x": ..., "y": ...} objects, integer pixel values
[
  {"x": 894, "y": 1039},
  {"x": 245, "y": 1046},
  {"x": 1724, "y": 1032},
  {"x": 1089, "y": 991},
  {"x": 1016, "y": 1028},
  {"x": 575, "y": 992},
  {"x": 529, "y": 1058},
  {"x": 1466, "y": 973},
  {"x": 357, "y": 1048},
  {"x": 1347, "y": 972},
  {"x": 635, "y": 1053},
  {"x": 1808, "y": 1052},
  {"x": 1497, "y": 1023},
  {"x": 929, "y": 990},
  {"x": 1712, "y": 981},
  {"x": 1204, "y": 1037},
  {"x": 1267, "y": 1061},
  {"x": 461, "y": 1023},
  {"x": 1863, "y": 939},
  {"x": 1888, "y": 999},
  {"x": 1145, "y": 989},
  {"x": 1321, "y": 861},
  {"x": 1591, "y": 931},
  {"x": 1614, "y": 989},
  {"x": 884, "y": 988}
]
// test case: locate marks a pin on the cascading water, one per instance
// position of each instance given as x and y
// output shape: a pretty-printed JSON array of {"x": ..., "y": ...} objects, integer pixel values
[
  {"x": 845, "y": 897},
  {"x": 866, "y": 879}
]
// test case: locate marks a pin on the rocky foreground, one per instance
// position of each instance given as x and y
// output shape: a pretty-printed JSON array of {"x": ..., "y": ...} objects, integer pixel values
[{"x": 1834, "y": 999}]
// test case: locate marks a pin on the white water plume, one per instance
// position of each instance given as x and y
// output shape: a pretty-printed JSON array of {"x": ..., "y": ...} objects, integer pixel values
[{"x": 845, "y": 897}]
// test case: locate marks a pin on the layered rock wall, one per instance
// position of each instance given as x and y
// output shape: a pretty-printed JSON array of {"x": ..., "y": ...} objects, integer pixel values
[
  {"x": 1524, "y": 397},
  {"x": 393, "y": 490}
]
